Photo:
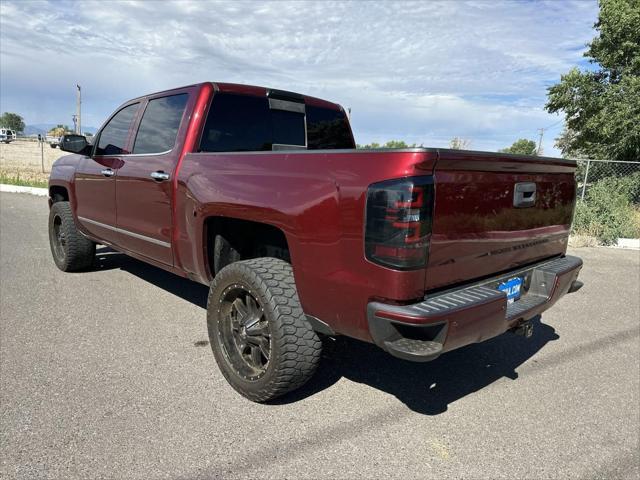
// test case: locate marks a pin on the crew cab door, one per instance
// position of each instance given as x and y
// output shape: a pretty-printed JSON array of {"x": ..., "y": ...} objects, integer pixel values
[
  {"x": 144, "y": 184},
  {"x": 95, "y": 176}
]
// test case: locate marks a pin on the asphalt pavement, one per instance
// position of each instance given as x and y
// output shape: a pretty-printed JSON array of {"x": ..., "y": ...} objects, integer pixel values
[{"x": 108, "y": 374}]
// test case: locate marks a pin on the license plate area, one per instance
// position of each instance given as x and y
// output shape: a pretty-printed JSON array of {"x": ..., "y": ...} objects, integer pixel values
[{"x": 512, "y": 287}]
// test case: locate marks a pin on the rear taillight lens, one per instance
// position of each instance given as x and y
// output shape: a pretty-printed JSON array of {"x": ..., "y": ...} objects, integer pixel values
[{"x": 398, "y": 222}]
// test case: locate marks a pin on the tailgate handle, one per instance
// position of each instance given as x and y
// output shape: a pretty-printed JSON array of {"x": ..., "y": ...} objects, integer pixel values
[{"x": 524, "y": 195}]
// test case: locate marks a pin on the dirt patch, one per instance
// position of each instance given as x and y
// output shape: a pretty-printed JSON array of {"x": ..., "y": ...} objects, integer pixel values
[{"x": 28, "y": 155}]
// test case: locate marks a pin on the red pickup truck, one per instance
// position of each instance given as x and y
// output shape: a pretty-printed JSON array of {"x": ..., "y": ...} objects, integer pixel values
[{"x": 262, "y": 195}]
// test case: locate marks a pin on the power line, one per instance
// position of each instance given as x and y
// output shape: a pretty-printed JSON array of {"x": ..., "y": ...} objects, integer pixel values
[{"x": 553, "y": 124}]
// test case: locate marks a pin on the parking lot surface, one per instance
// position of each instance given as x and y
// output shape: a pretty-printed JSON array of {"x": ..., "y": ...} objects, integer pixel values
[{"x": 108, "y": 373}]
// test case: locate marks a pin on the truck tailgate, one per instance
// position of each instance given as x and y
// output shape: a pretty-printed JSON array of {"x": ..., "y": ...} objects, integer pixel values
[{"x": 486, "y": 220}]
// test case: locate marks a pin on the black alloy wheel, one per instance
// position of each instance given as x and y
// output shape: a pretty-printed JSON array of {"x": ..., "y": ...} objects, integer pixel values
[{"x": 244, "y": 332}]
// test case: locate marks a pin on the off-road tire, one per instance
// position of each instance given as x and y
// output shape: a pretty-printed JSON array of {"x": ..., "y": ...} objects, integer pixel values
[
  {"x": 76, "y": 252},
  {"x": 295, "y": 347}
]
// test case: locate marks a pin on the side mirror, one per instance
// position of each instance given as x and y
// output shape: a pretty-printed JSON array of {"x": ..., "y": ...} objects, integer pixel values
[{"x": 74, "y": 143}]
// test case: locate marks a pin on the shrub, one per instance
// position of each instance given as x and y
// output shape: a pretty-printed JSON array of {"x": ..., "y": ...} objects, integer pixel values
[{"x": 610, "y": 209}]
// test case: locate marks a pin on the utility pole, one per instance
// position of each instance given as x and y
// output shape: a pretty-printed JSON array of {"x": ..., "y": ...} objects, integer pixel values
[
  {"x": 79, "y": 110},
  {"x": 541, "y": 130},
  {"x": 42, "y": 151}
]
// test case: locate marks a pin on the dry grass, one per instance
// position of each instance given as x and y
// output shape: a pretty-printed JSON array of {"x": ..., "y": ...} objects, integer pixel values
[
  {"x": 636, "y": 219},
  {"x": 578, "y": 241},
  {"x": 24, "y": 177}
]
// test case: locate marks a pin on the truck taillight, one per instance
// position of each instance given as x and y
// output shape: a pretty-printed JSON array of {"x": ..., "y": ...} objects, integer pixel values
[{"x": 398, "y": 222}]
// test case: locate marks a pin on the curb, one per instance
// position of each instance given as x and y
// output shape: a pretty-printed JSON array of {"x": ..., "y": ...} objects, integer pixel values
[
  {"x": 41, "y": 192},
  {"x": 630, "y": 243}
]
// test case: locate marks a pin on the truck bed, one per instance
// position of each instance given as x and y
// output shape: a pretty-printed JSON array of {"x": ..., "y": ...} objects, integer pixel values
[{"x": 318, "y": 198}]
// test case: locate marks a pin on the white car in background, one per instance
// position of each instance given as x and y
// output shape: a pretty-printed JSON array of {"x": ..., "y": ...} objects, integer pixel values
[
  {"x": 7, "y": 135},
  {"x": 53, "y": 141}
]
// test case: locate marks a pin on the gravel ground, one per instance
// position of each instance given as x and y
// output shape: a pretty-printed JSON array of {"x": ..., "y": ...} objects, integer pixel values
[{"x": 108, "y": 374}]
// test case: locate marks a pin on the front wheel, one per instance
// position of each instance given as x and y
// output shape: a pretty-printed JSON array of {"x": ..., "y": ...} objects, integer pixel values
[
  {"x": 260, "y": 337},
  {"x": 71, "y": 250}
]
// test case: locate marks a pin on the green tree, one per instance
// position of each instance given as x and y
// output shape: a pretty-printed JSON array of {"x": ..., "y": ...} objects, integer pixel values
[
  {"x": 521, "y": 147},
  {"x": 12, "y": 121},
  {"x": 389, "y": 144},
  {"x": 602, "y": 107},
  {"x": 457, "y": 143},
  {"x": 397, "y": 144}
]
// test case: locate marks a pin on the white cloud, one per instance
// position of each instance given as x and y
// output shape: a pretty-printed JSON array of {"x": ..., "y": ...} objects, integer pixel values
[{"x": 421, "y": 71}]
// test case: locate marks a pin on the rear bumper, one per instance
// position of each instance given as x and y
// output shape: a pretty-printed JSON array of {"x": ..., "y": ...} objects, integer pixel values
[{"x": 470, "y": 314}]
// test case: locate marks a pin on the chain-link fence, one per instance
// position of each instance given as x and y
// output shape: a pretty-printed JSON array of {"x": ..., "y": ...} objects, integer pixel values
[
  {"x": 590, "y": 172},
  {"x": 608, "y": 204}
]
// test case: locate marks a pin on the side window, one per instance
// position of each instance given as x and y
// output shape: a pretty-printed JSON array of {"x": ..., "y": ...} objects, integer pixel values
[
  {"x": 114, "y": 135},
  {"x": 160, "y": 123},
  {"x": 245, "y": 123}
]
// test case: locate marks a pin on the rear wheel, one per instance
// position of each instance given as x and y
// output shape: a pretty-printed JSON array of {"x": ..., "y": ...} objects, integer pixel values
[
  {"x": 259, "y": 334},
  {"x": 71, "y": 250}
]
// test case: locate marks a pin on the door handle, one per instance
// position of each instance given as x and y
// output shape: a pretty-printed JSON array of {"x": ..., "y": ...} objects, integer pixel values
[
  {"x": 107, "y": 172},
  {"x": 159, "y": 175}
]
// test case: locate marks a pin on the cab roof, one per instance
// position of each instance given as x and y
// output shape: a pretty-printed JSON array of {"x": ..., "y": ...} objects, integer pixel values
[{"x": 241, "y": 89}]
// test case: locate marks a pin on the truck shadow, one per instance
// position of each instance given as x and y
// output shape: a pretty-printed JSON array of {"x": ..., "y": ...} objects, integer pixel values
[
  {"x": 109, "y": 259},
  {"x": 426, "y": 388}
]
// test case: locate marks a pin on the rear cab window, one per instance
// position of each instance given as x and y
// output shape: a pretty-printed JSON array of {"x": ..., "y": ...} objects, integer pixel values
[
  {"x": 327, "y": 129},
  {"x": 246, "y": 123}
]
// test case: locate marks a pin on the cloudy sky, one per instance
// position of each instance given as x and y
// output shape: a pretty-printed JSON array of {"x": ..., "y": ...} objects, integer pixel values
[{"x": 421, "y": 72}]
